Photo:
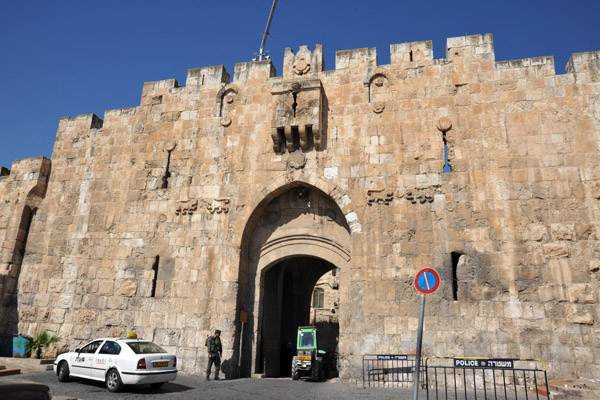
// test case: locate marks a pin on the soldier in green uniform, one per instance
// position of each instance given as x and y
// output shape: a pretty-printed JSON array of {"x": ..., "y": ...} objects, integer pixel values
[{"x": 215, "y": 351}]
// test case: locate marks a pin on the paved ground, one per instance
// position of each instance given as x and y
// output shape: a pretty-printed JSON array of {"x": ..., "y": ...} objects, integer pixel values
[{"x": 194, "y": 387}]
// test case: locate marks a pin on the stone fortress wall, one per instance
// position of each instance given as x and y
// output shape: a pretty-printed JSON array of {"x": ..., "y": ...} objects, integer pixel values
[{"x": 162, "y": 218}]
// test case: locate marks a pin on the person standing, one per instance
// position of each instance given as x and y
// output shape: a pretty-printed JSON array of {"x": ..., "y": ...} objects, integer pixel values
[{"x": 215, "y": 351}]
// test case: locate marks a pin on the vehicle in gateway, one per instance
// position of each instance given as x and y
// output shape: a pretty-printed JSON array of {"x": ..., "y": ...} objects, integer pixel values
[{"x": 118, "y": 362}]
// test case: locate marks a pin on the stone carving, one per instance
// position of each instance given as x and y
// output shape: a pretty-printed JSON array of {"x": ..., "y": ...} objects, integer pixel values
[
  {"x": 422, "y": 195},
  {"x": 379, "y": 196},
  {"x": 186, "y": 207},
  {"x": 302, "y": 64},
  {"x": 443, "y": 124},
  {"x": 296, "y": 160},
  {"x": 378, "y": 108},
  {"x": 225, "y": 103},
  {"x": 297, "y": 115},
  {"x": 378, "y": 84},
  {"x": 170, "y": 146},
  {"x": 219, "y": 205},
  {"x": 226, "y": 121}
]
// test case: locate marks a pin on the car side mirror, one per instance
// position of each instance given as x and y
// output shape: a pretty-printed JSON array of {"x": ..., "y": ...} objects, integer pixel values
[{"x": 77, "y": 350}]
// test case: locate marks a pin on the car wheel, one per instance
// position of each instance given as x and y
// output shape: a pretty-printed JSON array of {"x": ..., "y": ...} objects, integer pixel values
[
  {"x": 315, "y": 371},
  {"x": 295, "y": 374},
  {"x": 156, "y": 385},
  {"x": 113, "y": 381},
  {"x": 63, "y": 372}
]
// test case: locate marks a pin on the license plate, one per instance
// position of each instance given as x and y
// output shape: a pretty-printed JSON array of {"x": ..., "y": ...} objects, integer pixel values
[
  {"x": 303, "y": 357},
  {"x": 161, "y": 364}
]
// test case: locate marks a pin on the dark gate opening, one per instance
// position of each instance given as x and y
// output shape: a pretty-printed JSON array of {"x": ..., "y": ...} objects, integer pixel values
[{"x": 287, "y": 294}]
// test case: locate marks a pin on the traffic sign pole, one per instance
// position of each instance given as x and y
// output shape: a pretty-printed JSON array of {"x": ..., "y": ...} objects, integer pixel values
[
  {"x": 419, "y": 341},
  {"x": 427, "y": 281}
]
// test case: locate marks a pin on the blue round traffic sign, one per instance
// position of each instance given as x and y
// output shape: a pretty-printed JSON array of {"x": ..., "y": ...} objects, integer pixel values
[{"x": 427, "y": 281}]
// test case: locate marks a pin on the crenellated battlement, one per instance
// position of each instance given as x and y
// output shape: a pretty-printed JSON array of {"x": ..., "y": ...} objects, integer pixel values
[
  {"x": 411, "y": 52},
  {"x": 26, "y": 169},
  {"x": 587, "y": 63},
  {"x": 403, "y": 55},
  {"x": 470, "y": 46}
]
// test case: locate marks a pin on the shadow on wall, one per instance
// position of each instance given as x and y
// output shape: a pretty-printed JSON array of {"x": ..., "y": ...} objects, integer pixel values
[{"x": 229, "y": 368}]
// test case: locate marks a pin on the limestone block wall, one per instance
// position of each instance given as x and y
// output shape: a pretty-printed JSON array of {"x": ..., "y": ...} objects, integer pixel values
[
  {"x": 21, "y": 190},
  {"x": 148, "y": 216}
]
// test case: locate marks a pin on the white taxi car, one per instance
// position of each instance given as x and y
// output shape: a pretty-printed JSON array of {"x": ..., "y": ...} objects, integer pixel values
[{"x": 118, "y": 362}]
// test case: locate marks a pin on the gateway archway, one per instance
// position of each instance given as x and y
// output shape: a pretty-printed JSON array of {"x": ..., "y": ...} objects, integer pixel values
[
  {"x": 285, "y": 303},
  {"x": 296, "y": 235}
]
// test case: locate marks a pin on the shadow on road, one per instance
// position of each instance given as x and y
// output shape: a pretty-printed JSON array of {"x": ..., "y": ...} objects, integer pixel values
[{"x": 169, "y": 387}]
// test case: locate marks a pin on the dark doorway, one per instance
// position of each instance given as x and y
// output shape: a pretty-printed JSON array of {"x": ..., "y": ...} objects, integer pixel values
[{"x": 287, "y": 290}]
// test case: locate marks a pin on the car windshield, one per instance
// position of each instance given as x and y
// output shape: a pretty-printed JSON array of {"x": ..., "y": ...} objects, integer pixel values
[
  {"x": 307, "y": 339},
  {"x": 145, "y": 347}
]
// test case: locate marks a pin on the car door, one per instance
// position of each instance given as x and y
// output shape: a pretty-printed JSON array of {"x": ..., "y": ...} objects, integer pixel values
[
  {"x": 82, "y": 362},
  {"x": 105, "y": 358}
]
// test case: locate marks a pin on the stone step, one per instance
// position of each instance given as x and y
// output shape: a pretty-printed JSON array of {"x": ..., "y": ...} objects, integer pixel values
[{"x": 574, "y": 389}]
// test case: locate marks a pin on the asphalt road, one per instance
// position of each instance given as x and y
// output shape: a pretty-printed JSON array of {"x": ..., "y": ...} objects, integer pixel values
[{"x": 195, "y": 387}]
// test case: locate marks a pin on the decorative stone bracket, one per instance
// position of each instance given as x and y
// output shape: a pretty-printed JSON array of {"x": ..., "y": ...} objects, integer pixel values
[{"x": 297, "y": 115}]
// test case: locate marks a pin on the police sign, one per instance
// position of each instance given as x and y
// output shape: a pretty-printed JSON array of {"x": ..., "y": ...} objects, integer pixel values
[
  {"x": 498, "y": 363},
  {"x": 396, "y": 357}
]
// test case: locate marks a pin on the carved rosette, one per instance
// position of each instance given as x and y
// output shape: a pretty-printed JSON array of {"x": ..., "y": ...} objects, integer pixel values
[
  {"x": 301, "y": 65},
  {"x": 296, "y": 160},
  {"x": 226, "y": 121},
  {"x": 443, "y": 124},
  {"x": 378, "y": 108}
]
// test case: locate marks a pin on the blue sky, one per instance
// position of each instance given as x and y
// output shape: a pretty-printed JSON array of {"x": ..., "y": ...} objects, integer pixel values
[{"x": 70, "y": 57}]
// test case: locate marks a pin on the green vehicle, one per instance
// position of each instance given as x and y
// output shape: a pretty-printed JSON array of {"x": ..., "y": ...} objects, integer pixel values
[{"x": 309, "y": 360}]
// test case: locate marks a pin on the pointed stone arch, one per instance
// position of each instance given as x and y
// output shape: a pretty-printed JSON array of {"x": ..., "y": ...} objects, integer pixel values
[
  {"x": 275, "y": 187},
  {"x": 314, "y": 249}
]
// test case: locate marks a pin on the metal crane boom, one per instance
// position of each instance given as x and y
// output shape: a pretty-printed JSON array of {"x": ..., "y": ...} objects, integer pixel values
[{"x": 260, "y": 55}]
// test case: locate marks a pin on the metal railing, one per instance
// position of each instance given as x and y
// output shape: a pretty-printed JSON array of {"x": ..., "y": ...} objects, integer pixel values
[
  {"x": 485, "y": 378},
  {"x": 388, "y": 370}
]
